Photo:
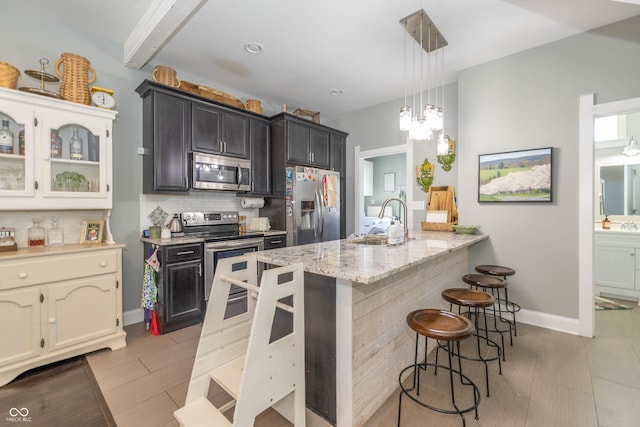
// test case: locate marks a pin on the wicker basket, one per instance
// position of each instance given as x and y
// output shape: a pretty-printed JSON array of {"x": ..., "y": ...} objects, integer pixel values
[
  {"x": 308, "y": 114},
  {"x": 218, "y": 95},
  {"x": 75, "y": 77},
  {"x": 8, "y": 75},
  {"x": 165, "y": 75},
  {"x": 438, "y": 226},
  {"x": 254, "y": 105}
]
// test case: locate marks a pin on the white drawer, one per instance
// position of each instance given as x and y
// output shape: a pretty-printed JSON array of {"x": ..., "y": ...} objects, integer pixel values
[{"x": 55, "y": 268}]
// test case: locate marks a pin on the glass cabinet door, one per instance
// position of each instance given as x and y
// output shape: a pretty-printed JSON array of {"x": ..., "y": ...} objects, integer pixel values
[
  {"x": 75, "y": 157},
  {"x": 16, "y": 150}
]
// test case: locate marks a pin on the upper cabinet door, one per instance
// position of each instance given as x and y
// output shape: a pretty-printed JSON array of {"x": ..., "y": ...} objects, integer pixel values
[
  {"x": 17, "y": 127},
  {"x": 235, "y": 135},
  {"x": 319, "y": 148},
  {"x": 260, "y": 157},
  {"x": 298, "y": 143},
  {"x": 206, "y": 131}
]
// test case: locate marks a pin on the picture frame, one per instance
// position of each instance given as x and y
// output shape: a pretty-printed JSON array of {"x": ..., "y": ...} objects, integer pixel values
[
  {"x": 92, "y": 232},
  {"x": 516, "y": 176},
  {"x": 389, "y": 181}
]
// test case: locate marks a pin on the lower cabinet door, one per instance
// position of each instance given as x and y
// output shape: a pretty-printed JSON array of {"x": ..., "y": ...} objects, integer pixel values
[
  {"x": 80, "y": 310},
  {"x": 184, "y": 294},
  {"x": 615, "y": 266},
  {"x": 20, "y": 320}
]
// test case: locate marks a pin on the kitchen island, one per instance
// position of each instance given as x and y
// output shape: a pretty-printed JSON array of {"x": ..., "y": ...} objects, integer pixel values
[{"x": 357, "y": 297}]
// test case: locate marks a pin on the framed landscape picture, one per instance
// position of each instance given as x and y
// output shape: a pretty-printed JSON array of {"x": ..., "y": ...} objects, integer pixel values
[{"x": 516, "y": 176}]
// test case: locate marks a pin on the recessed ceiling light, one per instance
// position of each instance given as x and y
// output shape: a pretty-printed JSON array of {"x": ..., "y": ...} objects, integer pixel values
[
  {"x": 253, "y": 47},
  {"x": 336, "y": 92}
]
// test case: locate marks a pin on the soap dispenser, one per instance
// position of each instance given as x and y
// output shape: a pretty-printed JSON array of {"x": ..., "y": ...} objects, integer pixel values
[
  {"x": 606, "y": 224},
  {"x": 395, "y": 232}
]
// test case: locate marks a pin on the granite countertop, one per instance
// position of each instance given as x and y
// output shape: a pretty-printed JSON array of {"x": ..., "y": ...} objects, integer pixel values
[
  {"x": 56, "y": 250},
  {"x": 188, "y": 239},
  {"x": 345, "y": 259}
]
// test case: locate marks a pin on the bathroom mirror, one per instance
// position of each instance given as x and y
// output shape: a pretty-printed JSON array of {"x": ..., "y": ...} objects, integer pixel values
[{"x": 617, "y": 176}]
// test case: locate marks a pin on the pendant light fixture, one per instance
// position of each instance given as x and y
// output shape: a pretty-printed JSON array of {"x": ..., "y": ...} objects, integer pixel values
[
  {"x": 428, "y": 117},
  {"x": 632, "y": 149}
]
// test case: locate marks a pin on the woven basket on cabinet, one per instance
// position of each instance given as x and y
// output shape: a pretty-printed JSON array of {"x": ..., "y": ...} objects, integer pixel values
[{"x": 8, "y": 75}]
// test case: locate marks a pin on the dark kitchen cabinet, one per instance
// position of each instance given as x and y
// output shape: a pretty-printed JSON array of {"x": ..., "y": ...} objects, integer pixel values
[
  {"x": 337, "y": 162},
  {"x": 217, "y": 130},
  {"x": 307, "y": 145},
  {"x": 166, "y": 138},
  {"x": 260, "y": 138},
  {"x": 180, "y": 286}
]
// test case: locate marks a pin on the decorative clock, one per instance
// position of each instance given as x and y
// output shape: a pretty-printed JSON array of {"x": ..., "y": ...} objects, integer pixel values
[{"x": 103, "y": 98}]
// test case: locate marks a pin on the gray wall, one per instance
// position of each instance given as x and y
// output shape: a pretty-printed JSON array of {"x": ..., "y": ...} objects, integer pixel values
[{"x": 530, "y": 100}]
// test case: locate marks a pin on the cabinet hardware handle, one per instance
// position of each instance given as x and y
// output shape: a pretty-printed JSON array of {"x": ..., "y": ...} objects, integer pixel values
[
  {"x": 275, "y": 242},
  {"x": 52, "y": 320},
  {"x": 199, "y": 269},
  {"x": 22, "y": 275},
  {"x": 107, "y": 188},
  {"x": 117, "y": 322},
  {"x": 35, "y": 185},
  {"x": 42, "y": 343},
  {"x": 107, "y": 133},
  {"x": 185, "y": 253},
  {"x": 41, "y": 298},
  {"x": 103, "y": 263},
  {"x": 35, "y": 122},
  {"x": 117, "y": 284}
]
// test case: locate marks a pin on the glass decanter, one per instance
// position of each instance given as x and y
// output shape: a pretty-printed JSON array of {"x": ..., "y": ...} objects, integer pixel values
[
  {"x": 55, "y": 234},
  {"x": 36, "y": 233},
  {"x": 76, "y": 146}
]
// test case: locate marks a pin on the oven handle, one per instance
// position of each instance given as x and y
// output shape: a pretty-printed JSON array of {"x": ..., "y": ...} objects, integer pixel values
[{"x": 234, "y": 244}]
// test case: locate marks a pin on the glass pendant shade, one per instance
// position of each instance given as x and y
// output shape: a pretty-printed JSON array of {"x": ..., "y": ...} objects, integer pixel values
[
  {"x": 436, "y": 122},
  {"x": 405, "y": 118},
  {"x": 419, "y": 130}
]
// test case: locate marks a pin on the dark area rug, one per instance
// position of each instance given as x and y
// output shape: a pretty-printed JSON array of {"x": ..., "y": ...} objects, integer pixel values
[
  {"x": 60, "y": 394},
  {"x": 607, "y": 304}
]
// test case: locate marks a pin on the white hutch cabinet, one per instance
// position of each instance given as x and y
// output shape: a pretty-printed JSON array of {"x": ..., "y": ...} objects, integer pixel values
[
  {"x": 43, "y": 170},
  {"x": 56, "y": 302}
]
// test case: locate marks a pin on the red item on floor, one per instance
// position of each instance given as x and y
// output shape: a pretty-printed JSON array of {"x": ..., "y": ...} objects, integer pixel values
[{"x": 153, "y": 327}]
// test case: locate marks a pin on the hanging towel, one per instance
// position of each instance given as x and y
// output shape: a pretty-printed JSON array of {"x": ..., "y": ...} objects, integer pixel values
[{"x": 149, "y": 286}]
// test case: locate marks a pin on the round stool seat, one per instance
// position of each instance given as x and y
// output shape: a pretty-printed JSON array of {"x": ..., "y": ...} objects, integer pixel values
[
  {"x": 440, "y": 324},
  {"x": 484, "y": 281},
  {"x": 495, "y": 270},
  {"x": 468, "y": 297}
]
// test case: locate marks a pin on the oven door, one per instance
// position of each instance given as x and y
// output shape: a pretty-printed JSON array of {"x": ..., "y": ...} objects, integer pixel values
[{"x": 215, "y": 251}]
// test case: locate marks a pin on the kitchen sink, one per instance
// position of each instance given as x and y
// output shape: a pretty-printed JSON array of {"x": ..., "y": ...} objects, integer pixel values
[{"x": 373, "y": 239}]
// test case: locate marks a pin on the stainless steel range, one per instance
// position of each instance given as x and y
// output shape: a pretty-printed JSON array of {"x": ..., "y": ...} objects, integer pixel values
[{"x": 222, "y": 239}]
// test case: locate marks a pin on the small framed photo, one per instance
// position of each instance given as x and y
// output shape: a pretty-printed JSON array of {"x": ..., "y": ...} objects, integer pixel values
[{"x": 92, "y": 232}]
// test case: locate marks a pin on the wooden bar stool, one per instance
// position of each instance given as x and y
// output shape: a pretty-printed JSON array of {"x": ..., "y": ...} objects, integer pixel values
[
  {"x": 500, "y": 271},
  {"x": 476, "y": 302},
  {"x": 495, "y": 285},
  {"x": 444, "y": 326}
]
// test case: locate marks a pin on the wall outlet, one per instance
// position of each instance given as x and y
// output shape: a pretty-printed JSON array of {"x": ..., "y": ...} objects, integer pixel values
[
  {"x": 142, "y": 151},
  {"x": 418, "y": 205}
]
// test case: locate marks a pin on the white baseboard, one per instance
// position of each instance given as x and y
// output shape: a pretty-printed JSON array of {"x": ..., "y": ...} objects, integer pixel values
[
  {"x": 133, "y": 316},
  {"x": 567, "y": 325}
]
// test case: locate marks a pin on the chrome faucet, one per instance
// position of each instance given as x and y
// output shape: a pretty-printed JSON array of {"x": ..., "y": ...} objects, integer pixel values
[{"x": 404, "y": 213}]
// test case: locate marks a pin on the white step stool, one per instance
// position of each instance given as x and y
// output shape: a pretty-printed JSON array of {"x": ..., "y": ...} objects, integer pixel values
[{"x": 236, "y": 352}]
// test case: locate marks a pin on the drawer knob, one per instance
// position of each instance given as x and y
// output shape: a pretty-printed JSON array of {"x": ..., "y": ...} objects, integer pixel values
[
  {"x": 103, "y": 263},
  {"x": 52, "y": 320},
  {"x": 22, "y": 275}
]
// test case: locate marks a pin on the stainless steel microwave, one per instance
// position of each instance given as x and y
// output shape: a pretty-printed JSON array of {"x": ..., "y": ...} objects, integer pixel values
[{"x": 211, "y": 172}]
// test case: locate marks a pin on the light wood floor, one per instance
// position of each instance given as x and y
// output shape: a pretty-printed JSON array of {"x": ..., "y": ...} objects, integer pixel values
[{"x": 549, "y": 379}]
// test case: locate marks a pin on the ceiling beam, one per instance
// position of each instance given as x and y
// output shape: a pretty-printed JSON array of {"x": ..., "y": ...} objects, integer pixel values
[{"x": 161, "y": 20}]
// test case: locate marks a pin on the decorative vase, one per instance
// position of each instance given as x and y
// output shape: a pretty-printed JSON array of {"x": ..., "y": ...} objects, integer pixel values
[{"x": 75, "y": 78}]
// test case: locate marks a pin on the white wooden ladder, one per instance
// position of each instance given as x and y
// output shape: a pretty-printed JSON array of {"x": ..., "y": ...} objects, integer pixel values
[{"x": 236, "y": 352}]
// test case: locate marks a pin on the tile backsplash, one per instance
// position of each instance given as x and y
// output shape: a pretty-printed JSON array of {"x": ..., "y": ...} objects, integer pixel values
[{"x": 219, "y": 201}]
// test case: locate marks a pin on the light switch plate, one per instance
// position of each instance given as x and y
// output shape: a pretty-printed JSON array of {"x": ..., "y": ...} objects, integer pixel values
[
  {"x": 142, "y": 151},
  {"x": 418, "y": 205}
]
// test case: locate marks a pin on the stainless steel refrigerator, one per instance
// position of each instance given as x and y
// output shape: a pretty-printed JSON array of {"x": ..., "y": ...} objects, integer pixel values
[{"x": 312, "y": 205}]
